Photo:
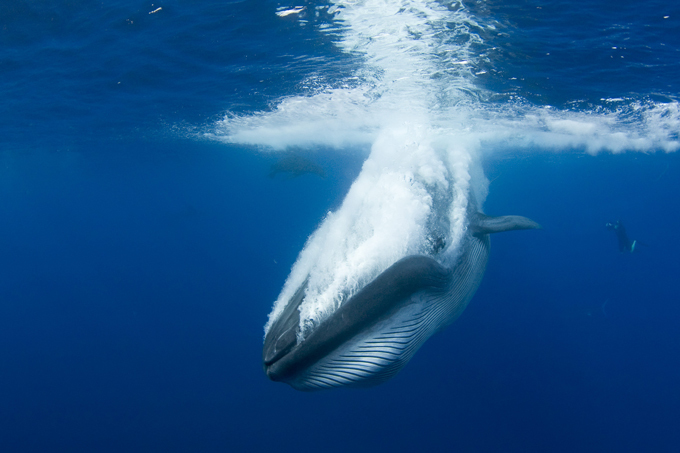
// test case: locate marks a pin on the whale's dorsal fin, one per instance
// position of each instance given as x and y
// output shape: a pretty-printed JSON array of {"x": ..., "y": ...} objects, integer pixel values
[{"x": 483, "y": 224}]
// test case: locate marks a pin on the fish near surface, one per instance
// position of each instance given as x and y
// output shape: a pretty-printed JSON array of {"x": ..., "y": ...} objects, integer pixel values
[{"x": 295, "y": 165}]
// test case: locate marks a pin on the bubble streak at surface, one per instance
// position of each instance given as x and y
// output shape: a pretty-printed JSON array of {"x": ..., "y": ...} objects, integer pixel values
[{"x": 412, "y": 190}]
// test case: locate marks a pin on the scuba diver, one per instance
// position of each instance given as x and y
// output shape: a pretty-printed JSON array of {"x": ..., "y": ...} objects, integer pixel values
[{"x": 624, "y": 243}]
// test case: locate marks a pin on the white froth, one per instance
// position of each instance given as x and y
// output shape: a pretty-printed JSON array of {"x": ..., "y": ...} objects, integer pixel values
[
  {"x": 638, "y": 126},
  {"x": 383, "y": 218},
  {"x": 287, "y": 12},
  {"x": 415, "y": 103},
  {"x": 389, "y": 210},
  {"x": 337, "y": 118}
]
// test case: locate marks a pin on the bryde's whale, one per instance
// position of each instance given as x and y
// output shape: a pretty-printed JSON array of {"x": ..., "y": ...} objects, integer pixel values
[{"x": 374, "y": 333}]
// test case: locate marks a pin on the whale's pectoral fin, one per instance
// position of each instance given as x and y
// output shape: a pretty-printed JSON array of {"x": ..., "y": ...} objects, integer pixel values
[{"x": 484, "y": 224}]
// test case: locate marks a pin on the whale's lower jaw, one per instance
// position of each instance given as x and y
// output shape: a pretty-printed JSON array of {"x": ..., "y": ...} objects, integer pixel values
[
  {"x": 376, "y": 355},
  {"x": 381, "y": 350}
]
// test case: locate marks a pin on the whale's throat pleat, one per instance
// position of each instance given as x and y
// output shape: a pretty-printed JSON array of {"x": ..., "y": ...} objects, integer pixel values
[{"x": 378, "y": 353}]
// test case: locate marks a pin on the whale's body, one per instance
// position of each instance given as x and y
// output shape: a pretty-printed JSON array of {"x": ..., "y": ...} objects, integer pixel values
[{"x": 373, "y": 334}]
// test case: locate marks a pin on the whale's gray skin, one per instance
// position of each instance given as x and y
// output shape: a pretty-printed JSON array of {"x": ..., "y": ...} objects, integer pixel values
[{"x": 371, "y": 336}]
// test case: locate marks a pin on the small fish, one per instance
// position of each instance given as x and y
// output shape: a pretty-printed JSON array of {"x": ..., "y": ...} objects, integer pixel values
[{"x": 296, "y": 165}]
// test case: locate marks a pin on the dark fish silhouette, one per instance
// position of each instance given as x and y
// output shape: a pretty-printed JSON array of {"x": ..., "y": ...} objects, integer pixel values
[{"x": 295, "y": 165}]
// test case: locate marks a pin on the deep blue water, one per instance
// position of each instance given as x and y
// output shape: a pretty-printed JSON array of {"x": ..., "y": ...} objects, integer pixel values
[{"x": 139, "y": 262}]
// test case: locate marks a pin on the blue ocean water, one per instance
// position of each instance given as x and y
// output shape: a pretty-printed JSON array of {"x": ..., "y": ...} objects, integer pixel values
[{"x": 142, "y": 244}]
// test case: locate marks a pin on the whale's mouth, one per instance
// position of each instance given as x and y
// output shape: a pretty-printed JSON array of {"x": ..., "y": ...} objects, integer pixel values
[
  {"x": 284, "y": 357},
  {"x": 282, "y": 336}
]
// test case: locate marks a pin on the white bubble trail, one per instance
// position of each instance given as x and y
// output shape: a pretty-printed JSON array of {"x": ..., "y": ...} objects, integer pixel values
[{"x": 417, "y": 106}]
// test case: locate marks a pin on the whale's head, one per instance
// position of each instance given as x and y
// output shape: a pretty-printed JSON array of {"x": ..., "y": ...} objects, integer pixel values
[
  {"x": 285, "y": 358},
  {"x": 376, "y": 331}
]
